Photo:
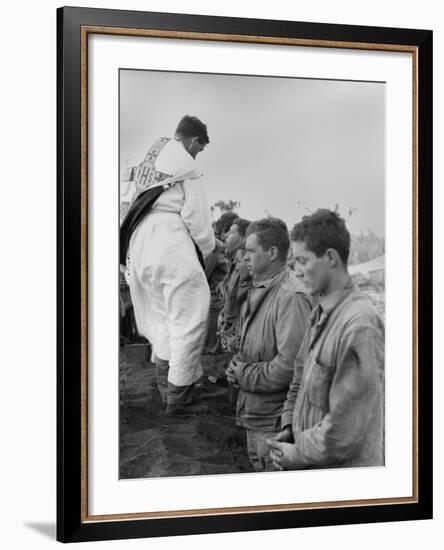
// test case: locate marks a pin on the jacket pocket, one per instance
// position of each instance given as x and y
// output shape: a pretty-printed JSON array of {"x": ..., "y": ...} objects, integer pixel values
[{"x": 319, "y": 385}]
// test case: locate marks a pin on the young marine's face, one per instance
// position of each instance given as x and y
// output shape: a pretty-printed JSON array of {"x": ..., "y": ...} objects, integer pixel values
[
  {"x": 232, "y": 238},
  {"x": 313, "y": 271},
  {"x": 241, "y": 266},
  {"x": 256, "y": 258}
]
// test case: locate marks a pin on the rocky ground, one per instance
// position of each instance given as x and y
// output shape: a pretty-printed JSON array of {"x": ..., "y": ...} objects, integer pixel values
[{"x": 153, "y": 445}]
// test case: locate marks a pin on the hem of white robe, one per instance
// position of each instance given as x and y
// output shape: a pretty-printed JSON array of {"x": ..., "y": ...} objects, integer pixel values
[{"x": 184, "y": 376}]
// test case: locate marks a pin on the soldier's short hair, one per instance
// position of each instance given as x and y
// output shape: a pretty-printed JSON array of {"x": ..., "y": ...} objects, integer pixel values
[
  {"x": 242, "y": 226},
  {"x": 322, "y": 230},
  {"x": 223, "y": 224},
  {"x": 271, "y": 232}
]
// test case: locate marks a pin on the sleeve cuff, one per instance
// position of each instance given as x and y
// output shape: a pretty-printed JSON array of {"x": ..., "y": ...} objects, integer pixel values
[{"x": 286, "y": 419}]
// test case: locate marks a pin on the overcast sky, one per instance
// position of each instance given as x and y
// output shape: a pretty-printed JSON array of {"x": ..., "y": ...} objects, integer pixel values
[{"x": 283, "y": 146}]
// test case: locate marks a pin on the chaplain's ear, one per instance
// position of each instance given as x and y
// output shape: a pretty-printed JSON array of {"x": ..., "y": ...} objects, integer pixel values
[{"x": 332, "y": 257}]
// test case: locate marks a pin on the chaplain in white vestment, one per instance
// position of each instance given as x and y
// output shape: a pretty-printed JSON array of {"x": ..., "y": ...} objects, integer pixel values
[{"x": 169, "y": 290}]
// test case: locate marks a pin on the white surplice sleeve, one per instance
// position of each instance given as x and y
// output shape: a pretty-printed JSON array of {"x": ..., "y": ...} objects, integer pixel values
[{"x": 197, "y": 216}]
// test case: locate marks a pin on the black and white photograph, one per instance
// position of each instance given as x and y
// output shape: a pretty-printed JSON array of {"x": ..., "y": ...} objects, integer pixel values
[
  {"x": 251, "y": 273},
  {"x": 222, "y": 299}
]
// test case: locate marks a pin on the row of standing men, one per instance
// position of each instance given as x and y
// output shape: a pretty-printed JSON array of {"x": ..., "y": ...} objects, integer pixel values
[
  {"x": 308, "y": 346},
  {"x": 279, "y": 321}
]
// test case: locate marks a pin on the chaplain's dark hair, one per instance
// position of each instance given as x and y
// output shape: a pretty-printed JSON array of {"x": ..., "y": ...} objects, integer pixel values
[
  {"x": 191, "y": 126},
  {"x": 322, "y": 230},
  {"x": 271, "y": 232},
  {"x": 242, "y": 226},
  {"x": 223, "y": 224}
]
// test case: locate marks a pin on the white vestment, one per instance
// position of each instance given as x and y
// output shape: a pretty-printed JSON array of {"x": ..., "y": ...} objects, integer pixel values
[{"x": 169, "y": 290}]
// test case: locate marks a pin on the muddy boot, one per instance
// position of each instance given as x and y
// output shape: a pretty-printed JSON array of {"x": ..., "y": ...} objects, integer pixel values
[
  {"x": 180, "y": 395},
  {"x": 162, "y": 368},
  {"x": 180, "y": 401}
]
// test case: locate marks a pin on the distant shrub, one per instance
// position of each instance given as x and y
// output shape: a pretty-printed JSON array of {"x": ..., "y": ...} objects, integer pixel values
[{"x": 365, "y": 247}]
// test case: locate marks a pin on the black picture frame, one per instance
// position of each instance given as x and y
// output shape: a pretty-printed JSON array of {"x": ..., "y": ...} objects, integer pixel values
[{"x": 73, "y": 523}]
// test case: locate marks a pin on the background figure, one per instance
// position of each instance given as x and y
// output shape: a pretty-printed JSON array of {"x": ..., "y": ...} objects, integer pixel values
[
  {"x": 168, "y": 287},
  {"x": 215, "y": 271},
  {"x": 334, "y": 413},
  {"x": 273, "y": 320},
  {"x": 233, "y": 287}
]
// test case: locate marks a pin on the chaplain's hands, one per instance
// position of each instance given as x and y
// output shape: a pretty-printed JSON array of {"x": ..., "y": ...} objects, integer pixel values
[{"x": 283, "y": 454}]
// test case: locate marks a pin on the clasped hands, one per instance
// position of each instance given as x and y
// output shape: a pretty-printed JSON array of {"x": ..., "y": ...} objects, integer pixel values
[
  {"x": 282, "y": 450},
  {"x": 234, "y": 368}
]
